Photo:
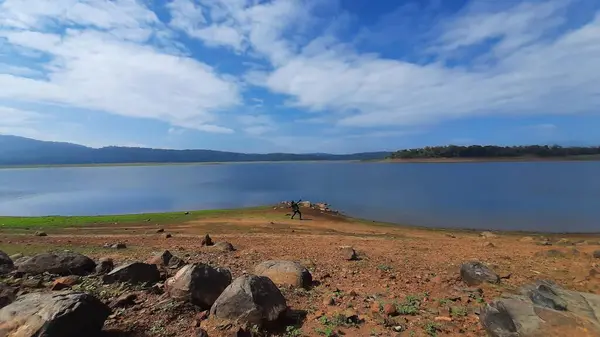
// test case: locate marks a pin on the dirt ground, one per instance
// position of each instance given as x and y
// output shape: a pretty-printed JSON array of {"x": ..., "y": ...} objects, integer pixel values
[{"x": 415, "y": 271}]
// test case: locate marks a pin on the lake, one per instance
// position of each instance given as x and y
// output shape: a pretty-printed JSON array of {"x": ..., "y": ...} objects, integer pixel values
[{"x": 539, "y": 196}]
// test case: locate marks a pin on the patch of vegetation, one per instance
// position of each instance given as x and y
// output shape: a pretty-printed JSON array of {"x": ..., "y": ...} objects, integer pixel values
[
  {"x": 292, "y": 331},
  {"x": 74, "y": 221},
  {"x": 384, "y": 267},
  {"x": 411, "y": 304},
  {"x": 444, "y": 301},
  {"x": 458, "y": 311},
  {"x": 432, "y": 328}
]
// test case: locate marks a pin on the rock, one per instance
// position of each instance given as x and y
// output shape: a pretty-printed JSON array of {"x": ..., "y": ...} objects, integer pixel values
[
  {"x": 201, "y": 333},
  {"x": 526, "y": 239},
  {"x": 166, "y": 259},
  {"x": 305, "y": 204},
  {"x": 544, "y": 309},
  {"x": 348, "y": 253},
  {"x": 596, "y": 254},
  {"x": 451, "y": 235},
  {"x": 160, "y": 230},
  {"x": 64, "y": 314},
  {"x": 199, "y": 284},
  {"x": 207, "y": 241},
  {"x": 65, "y": 282},
  {"x": 328, "y": 301},
  {"x": 40, "y": 233},
  {"x": 168, "y": 235},
  {"x": 285, "y": 273},
  {"x": 550, "y": 253},
  {"x": 135, "y": 273},
  {"x": 16, "y": 256},
  {"x": 563, "y": 241},
  {"x": 7, "y": 295},
  {"x": 223, "y": 246},
  {"x": 488, "y": 244},
  {"x": 544, "y": 243},
  {"x": 250, "y": 299},
  {"x": 6, "y": 263},
  {"x": 61, "y": 263},
  {"x": 488, "y": 235},
  {"x": 474, "y": 273},
  {"x": 443, "y": 319},
  {"x": 375, "y": 307},
  {"x": 104, "y": 266},
  {"x": 123, "y": 301},
  {"x": 119, "y": 246},
  {"x": 390, "y": 309}
]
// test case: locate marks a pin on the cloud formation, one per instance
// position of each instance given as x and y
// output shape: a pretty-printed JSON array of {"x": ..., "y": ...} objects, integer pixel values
[{"x": 140, "y": 59}]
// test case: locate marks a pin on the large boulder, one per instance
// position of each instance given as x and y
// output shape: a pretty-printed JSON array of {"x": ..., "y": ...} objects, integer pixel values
[
  {"x": 134, "y": 273},
  {"x": 199, "y": 284},
  {"x": 61, "y": 263},
  {"x": 60, "y": 314},
  {"x": 474, "y": 273},
  {"x": 105, "y": 265},
  {"x": 285, "y": 273},
  {"x": 6, "y": 263},
  {"x": 250, "y": 299},
  {"x": 7, "y": 295},
  {"x": 543, "y": 309}
]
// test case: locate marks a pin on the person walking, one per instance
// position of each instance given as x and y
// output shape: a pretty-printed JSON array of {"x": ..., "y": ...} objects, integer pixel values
[{"x": 296, "y": 208}]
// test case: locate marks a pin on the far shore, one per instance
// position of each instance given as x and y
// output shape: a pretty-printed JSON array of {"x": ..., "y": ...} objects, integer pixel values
[{"x": 490, "y": 160}]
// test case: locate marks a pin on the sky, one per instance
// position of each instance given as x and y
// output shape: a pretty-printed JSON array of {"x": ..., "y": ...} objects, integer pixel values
[{"x": 338, "y": 76}]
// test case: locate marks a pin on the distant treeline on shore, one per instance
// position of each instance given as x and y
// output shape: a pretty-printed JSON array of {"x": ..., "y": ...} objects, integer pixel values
[{"x": 490, "y": 151}]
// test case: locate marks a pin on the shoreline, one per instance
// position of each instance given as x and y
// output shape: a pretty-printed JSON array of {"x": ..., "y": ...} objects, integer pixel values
[{"x": 266, "y": 211}]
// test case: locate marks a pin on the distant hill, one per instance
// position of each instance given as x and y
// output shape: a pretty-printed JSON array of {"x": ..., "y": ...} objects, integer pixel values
[{"x": 25, "y": 151}]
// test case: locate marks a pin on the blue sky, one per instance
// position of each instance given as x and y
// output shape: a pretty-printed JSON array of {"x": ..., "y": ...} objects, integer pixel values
[{"x": 300, "y": 75}]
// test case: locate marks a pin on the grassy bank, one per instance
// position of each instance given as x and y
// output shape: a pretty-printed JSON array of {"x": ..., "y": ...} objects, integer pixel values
[
  {"x": 491, "y": 160},
  {"x": 55, "y": 221}
]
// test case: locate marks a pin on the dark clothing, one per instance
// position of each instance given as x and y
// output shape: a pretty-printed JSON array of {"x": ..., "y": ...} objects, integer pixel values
[{"x": 296, "y": 209}]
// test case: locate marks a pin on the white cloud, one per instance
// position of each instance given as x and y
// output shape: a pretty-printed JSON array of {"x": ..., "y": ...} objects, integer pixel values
[
  {"x": 257, "y": 124},
  {"x": 109, "y": 70}
]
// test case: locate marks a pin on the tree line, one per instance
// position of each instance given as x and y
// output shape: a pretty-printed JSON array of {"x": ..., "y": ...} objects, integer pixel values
[{"x": 490, "y": 151}]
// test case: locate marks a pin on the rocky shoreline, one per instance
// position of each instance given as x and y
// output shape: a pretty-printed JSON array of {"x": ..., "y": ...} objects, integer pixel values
[{"x": 67, "y": 294}]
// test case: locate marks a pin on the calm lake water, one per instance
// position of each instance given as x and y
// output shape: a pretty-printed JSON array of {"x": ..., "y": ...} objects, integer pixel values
[{"x": 542, "y": 196}]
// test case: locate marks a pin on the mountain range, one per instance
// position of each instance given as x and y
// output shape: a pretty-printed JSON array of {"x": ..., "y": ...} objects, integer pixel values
[{"x": 26, "y": 151}]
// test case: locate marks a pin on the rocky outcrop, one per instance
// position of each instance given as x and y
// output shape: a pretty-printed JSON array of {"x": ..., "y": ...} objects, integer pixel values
[
  {"x": 474, "y": 273},
  {"x": 134, "y": 273},
  {"x": 543, "y": 309},
  {"x": 64, "y": 314},
  {"x": 250, "y": 299},
  {"x": 61, "y": 263},
  {"x": 6, "y": 263},
  {"x": 285, "y": 273},
  {"x": 199, "y": 284}
]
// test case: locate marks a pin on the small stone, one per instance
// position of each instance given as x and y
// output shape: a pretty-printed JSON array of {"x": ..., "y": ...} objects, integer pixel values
[
  {"x": 375, "y": 307},
  {"x": 398, "y": 328},
  {"x": 451, "y": 235},
  {"x": 104, "y": 266},
  {"x": 160, "y": 230},
  {"x": 328, "y": 301},
  {"x": 65, "y": 282},
  {"x": 488, "y": 235},
  {"x": 119, "y": 245},
  {"x": 348, "y": 253},
  {"x": 206, "y": 241},
  {"x": 390, "y": 309},
  {"x": 488, "y": 244},
  {"x": 40, "y": 233},
  {"x": 223, "y": 246},
  {"x": 124, "y": 300},
  {"x": 168, "y": 235}
]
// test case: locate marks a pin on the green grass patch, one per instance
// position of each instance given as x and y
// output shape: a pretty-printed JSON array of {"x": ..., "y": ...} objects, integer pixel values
[{"x": 74, "y": 221}]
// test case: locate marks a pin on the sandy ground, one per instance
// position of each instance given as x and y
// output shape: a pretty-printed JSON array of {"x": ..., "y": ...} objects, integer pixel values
[{"x": 394, "y": 263}]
